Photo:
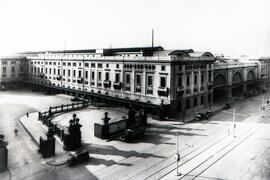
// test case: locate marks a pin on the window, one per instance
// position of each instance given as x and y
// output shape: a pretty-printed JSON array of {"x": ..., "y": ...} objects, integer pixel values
[
  {"x": 128, "y": 78},
  {"x": 187, "y": 104},
  {"x": 13, "y": 62},
  {"x": 195, "y": 79},
  {"x": 93, "y": 75},
  {"x": 4, "y": 62},
  {"x": 69, "y": 64},
  {"x": 180, "y": 68},
  {"x": 21, "y": 69},
  {"x": 54, "y": 71},
  {"x": 202, "y": 78},
  {"x": 209, "y": 76},
  {"x": 195, "y": 101},
  {"x": 50, "y": 71},
  {"x": 80, "y": 74},
  {"x": 64, "y": 72},
  {"x": 93, "y": 65},
  {"x": 46, "y": 70},
  {"x": 64, "y": 64},
  {"x": 99, "y": 65},
  {"x": 4, "y": 70},
  {"x": 150, "y": 81},
  {"x": 99, "y": 76},
  {"x": 86, "y": 74},
  {"x": 188, "y": 79},
  {"x": 163, "y": 68},
  {"x": 58, "y": 73},
  {"x": 162, "y": 82},
  {"x": 117, "y": 65},
  {"x": 73, "y": 64},
  {"x": 180, "y": 81},
  {"x": 54, "y": 63},
  {"x": 69, "y": 72},
  {"x": 74, "y": 73},
  {"x": 107, "y": 65},
  {"x": 138, "y": 79},
  {"x": 107, "y": 76},
  {"x": 86, "y": 64},
  {"x": 202, "y": 100},
  {"x": 117, "y": 77}
]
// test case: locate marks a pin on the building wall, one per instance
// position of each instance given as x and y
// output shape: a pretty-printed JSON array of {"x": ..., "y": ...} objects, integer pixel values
[{"x": 13, "y": 69}]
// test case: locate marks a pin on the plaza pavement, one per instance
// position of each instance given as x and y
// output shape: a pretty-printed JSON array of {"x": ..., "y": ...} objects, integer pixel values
[{"x": 151, "y": 157}]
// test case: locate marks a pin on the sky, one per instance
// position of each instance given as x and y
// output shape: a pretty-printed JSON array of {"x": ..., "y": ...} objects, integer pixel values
[{"x": 229, "y": 27}]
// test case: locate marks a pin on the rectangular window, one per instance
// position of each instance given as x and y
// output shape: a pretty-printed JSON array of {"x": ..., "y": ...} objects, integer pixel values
[
  {"x": 58, "y": 73},
  {"x": 86, "y": 74},
  {"x": 195, "y": 79},
  {"x": 99, "y": 65},
  {"x": 13, "y": 70},
  {"x": 64, "y": 72},
  {"x": 107, "y": 65},
  {"x": 73, "y": 64},
  {"x": 202, "y": 100},
  {"x": 93, "y": 75},
  {"x": 188, "y": 79},
  {"x": 64, "y": 64},
  {"x": 138, "y": 79},
  {"x": 117, "y": 77},
  {"x": 4, "y": 70},
  {"x": 107, "y": 76},
  {"x": 117, "y": 65},
  {"x": 163, "y": 82},
  {"x": 69, "y": 64},
  {"x": 93, "y": 65},
  {"x": 86, "y": 64},
  {"x": 69, "y": 72},
  {"x": 187, "y": 104},
  {"x": 50, "y": 71},
  {"x": 150, "y": 81},
  {"x": 4, "y": 62},
  {"x": 195, "y": 101},
  {"x": 202, "y": 78},
  {"x": 99, "y": 76},
  {"x": 21, "y": 69},
  {"x": 127, "y": 78},
  {"x": 163, "y": 68},
  {"x": 74, "y": 73},
  {"x": 180, "y": 81},
  {"x": 54, "y": 71}
]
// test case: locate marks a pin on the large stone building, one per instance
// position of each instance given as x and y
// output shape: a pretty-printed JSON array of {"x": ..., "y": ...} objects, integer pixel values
[
  {"x": 234, "y": 77},
  {"x": 169, "y": 83}
]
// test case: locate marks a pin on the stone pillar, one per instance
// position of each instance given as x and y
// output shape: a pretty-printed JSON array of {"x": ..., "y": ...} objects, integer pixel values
[{"x": 3, "y": 154}]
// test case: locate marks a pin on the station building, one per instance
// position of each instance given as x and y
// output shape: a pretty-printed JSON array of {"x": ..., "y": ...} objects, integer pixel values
[{"x": 169, "y": 83}]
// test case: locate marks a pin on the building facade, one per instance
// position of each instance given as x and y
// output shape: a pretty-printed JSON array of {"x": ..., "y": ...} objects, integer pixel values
[
  {"x": 233, "y": 78},
  {"x": 169, "y": 83},
  {"x": 13, "y": 68}
]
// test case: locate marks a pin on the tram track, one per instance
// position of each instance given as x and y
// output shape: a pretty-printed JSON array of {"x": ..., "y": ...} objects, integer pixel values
[{"x": 234, "y": 143}]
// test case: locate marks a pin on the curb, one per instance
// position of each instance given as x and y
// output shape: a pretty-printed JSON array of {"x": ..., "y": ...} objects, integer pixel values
[{"x": 32, "y": 137}]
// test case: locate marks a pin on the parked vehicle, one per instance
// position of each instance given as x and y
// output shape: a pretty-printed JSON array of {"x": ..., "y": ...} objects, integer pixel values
[
  {"x": 201, "y": 116},
  {"x": 131, "y": 134}
]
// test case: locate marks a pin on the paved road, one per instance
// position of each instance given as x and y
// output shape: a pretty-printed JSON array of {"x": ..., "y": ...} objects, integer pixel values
[{"x": 148, "y": 158}]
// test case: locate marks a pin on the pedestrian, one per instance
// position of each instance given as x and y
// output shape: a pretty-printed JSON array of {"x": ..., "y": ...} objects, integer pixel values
[{"x": 27, "y": 114}]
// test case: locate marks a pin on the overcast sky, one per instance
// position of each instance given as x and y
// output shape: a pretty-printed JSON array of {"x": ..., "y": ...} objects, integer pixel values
[{"x": 220, "y": 26}]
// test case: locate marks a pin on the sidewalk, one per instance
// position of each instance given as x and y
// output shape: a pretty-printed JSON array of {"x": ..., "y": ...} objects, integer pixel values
[{"x": 36, "y": 129}]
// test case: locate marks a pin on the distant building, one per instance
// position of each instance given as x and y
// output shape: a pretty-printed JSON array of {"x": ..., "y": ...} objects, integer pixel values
[
  {"x": 13, "y": 68},
  {"x": 234, "y": 77}
]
